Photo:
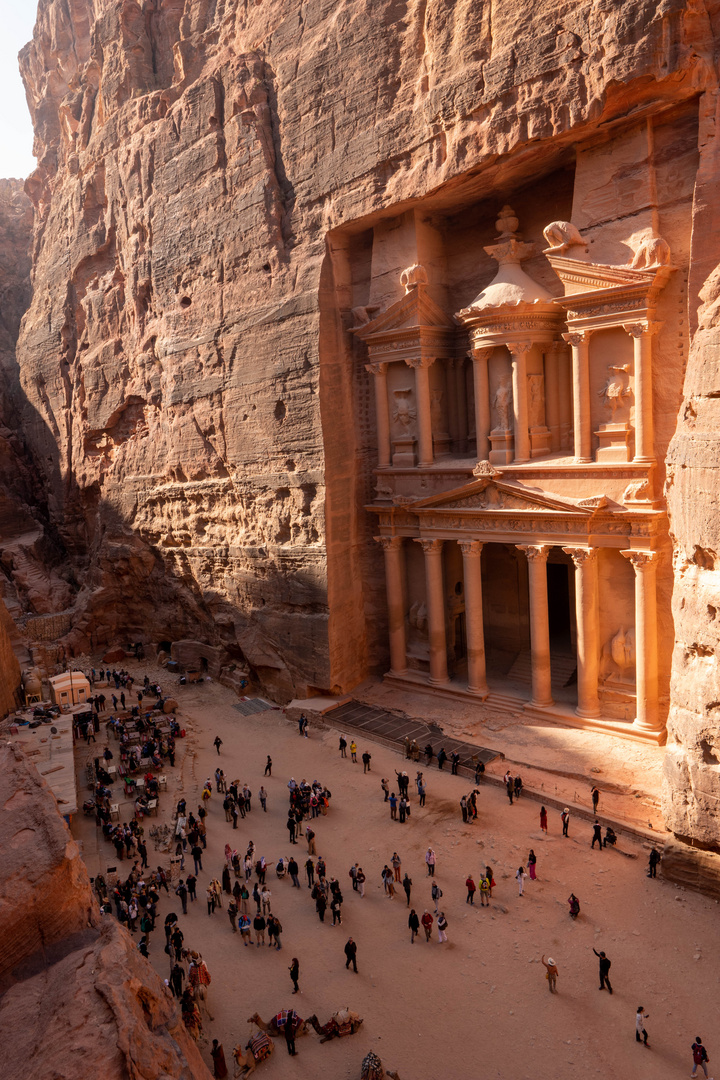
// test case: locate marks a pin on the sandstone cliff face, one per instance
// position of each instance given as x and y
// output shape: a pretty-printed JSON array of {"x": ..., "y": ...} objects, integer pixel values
[
  {"x": 692, "y": 762},
  {"x": 76, "y": 997},
  {"x": 189, "y": 382}
]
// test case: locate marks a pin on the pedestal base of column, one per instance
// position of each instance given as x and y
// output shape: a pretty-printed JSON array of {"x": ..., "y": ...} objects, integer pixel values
[
  {"x": 588, "y": 714},
  {"x": 583, "y": 461},
  {"x": 479, "y": 691},
  {"x": 438, "y": 682},
  {"x": 544, "y": 704},
  {"x": 398, "y": 671},
  {"x": 654, "y": 728}
]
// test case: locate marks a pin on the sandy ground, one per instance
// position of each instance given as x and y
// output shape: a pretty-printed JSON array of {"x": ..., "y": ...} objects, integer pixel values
[{"x": 479, "y": 1005}]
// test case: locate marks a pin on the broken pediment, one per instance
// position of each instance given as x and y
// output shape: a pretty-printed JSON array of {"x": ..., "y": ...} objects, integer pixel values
[
  {"x": 493, "y": 495},
  {"x": 415, "y": 310}
]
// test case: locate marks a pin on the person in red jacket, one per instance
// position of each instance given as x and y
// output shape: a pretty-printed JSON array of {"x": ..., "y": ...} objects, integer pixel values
[
  {"x": 427, "y": 921},
  {"x": 470, "y": 885}
]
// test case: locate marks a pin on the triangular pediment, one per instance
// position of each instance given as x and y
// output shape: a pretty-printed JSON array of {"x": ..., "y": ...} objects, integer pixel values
[
  {"x": 580, "y": 277},
  {"x": 494, "y": 495},
  {"x": 415, "y": 310}
]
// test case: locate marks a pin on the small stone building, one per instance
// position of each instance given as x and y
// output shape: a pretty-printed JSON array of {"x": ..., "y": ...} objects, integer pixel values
[{"x": 70, "y": 688}]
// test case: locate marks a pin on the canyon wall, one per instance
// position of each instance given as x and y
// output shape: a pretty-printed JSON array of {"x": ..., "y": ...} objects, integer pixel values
[
  {"x": 76, "y": 997},
  {"x": 207, "y": 174}
]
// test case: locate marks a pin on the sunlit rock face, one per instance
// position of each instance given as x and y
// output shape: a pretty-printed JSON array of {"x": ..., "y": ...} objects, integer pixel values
[{"x": 223, "y": 191}]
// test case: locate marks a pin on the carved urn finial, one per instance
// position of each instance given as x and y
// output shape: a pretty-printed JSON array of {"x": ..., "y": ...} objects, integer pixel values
[{"x": 507, "y": 223}]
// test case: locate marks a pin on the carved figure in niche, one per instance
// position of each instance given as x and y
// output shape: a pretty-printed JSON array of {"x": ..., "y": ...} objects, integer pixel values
[
  {"x": 502, "y": 403},
  {"x": 403, "y": 412},
  {"x": 561, "y": 235},
  {"x": 652, "y": 251},
  {"x": 614, "y": 389},
  {"x": 637, "y": 491},
  {"x": 436, "y": 410},
  {"x": 536, "y": 405},
  {"x": 417, "y": 617},
  {"x": 618, "y": 656}
]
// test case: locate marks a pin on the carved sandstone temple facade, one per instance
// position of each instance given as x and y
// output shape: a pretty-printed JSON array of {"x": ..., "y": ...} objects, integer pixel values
[{"x": 518, "y": 499}]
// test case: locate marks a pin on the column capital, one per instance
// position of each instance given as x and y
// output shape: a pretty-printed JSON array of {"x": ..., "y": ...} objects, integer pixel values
[
  {"x": 388, "y": 543},
  {"x": 535, "y": 551},
  {"x": 577, "y": 337},
  {"x": 642, "y": 328},
  {"x": 518, "y": 348},
  {"x": 470, "y": 548},
  {"x": 379, "y": 368},
  {"x": 430, "y": 547},
  {"x": 581, "y": 555},
  {"x": 557, "y": 345},
  {"x": 420, "y": 361},
  {"x": 641, "y": 560},
  {"x": 481, "y": 353}
]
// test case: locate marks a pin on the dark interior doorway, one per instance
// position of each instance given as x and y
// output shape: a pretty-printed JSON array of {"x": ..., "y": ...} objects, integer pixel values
[
  {"x": 460, "y": 637},
  {"x": 559, "y": 603}
]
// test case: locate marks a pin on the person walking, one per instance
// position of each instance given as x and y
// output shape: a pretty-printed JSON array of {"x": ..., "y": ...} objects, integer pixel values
[
  {"x": 310, "y": 871},
  {"x": 360, "y": 881},
  {"x": 700, "y": 1056},
  {"x": 385, "y": 785},
  {"x": 597, "y": 835},
  {"x": 427, "y": 921},
  {"x": 640, "y": 1017},
  {"x": 442, "y": 927},
  {"x": 351, "y": 954},
  {"x": 407, "y": 886},
  {"x": 653, "y": 864},
  {"x": 259, "y": 925},
  {"x": 435, "y": 893},
  {"x": 604, "y": 970},
  {"x": 396, "y": 863},
  {"x": 574, "y": 906},
  {"x": 520, "y": 878},
  {"x": 218, "y": 1055},
  {"x": 366, "y": 762},
  {"x": 294, "y": 970},
  {"x": 414, "y": 924},
  {"x": 551, "y": 973},
  {"x": 471, "y": 887},
  {"x": 310, "y": 836},
  {"x": 182, "y": 892},
  {"x": 595, "y": 795},
  {"x": 531, "y": 861},
  {"x": 393, "y": 806},
  {"x": 262, "y": 796},
  {"x": 217, "y": 744},
  {"x": 268, "y": 766},
  {"x": 430, "y": 860},
  {"x": 565, "y": 818},
  {"x": 421, "y": 790},
  {"x": 293, "y": 871},
  {"x": 343, "y": 746},
  {"x": 353, "y": 751},
  {"x": 484, "y": 892},
  {"x": 543, "y": 819},
  {"x": 510, "y": 789}
]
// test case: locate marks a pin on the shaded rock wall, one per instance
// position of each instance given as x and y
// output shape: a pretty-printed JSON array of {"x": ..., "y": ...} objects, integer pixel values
[
  {"x": 76, "y": 997},
  {"x": 190, "y": 391}
]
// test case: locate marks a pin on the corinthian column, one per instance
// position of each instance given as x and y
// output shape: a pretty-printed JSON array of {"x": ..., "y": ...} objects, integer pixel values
[
  {"x": 382, "y": 412},
  {"x": 642, "y": 335},
  {"x": 435, "y": 598},
  {"x": 646, "y": 640},
  {"x": 481, "y": 386},
  {"x": 580, "y": 343},
  {"x": 519, "y": 350},
  {"x": 537, "y": 555},
  {"x": 552, "y": 393},
  {"x": 472, "y": 574},
  {"x": 394, "y": 581},
  {"x": 588, "y": 631},
  {"x": 424, "y": 419}
]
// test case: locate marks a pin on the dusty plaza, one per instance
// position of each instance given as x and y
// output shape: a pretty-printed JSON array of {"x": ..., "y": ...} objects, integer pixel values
[{"x": 359, "y": 540}]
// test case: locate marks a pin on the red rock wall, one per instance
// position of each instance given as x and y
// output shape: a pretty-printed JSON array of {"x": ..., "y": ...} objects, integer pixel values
[{"x": 189, "y": 383}]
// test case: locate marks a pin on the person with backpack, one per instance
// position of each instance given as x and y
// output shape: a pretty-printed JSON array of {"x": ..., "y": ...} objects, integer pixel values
[
  {"x": 414, "y": 924},
  {"x": 700, "y": 1056},
  {"x": 436, "y": 893},
  {"x": 442, "y": 927},
  {"x": 484, "y": 892}
]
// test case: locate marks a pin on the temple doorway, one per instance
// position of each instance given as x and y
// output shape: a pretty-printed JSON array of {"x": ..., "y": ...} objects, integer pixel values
[{"x": 561, "y": 619}]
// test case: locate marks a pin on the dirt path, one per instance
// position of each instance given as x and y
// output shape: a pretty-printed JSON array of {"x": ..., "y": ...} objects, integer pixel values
[{"x": 478, "y": 1006}]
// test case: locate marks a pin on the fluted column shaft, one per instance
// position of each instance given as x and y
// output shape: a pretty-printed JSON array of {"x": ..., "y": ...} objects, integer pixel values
[
  {"x": 394, "y": 553},
  {"x": 424, "y": 416},
  {"x": 518, "y": 351},
  {"x": 537, "y": 556},
  {"x": 472, "y": 574},
  {"x": 481, "y": 387},
  {"x": 580, "y": 343},
  {"x": 382, "y": 412},
  {"x": 588, "y": 630},
  {"x": 435, "y": 600},
  {"x": 646, "y": 640},
  {"x": 642, "y": 335}
]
